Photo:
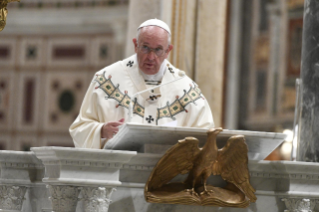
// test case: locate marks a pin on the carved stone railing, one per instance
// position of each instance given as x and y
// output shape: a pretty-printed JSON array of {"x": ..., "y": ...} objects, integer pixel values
[
  {"x": 21, "y": 174},
  {"x": 83, "y": 180},
  {"x": 94, "y": 173}
]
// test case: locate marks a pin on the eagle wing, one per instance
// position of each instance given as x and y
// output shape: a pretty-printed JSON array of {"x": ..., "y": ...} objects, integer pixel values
[
  {"x": 177, "y": 160},
  {"x": 232, "y": 165}
]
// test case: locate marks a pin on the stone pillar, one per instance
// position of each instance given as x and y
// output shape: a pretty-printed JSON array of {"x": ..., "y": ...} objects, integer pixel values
[
  {"x": 96, "y": 199},
  {"x": 308, "y": 146},
  {"x": 140, "y": 11},
  {"x": 233, "y": 64},
  {"x": 64, "y": 198},
  {"x": 210, "y": 49},
  {"x": 300, "y": 204},
  {"x": 11, "y": 197}
]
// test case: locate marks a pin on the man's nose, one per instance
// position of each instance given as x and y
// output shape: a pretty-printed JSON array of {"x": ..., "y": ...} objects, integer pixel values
[{"x": 151, "y": 55}]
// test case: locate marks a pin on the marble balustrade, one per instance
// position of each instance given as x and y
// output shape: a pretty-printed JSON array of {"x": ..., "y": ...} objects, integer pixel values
[{"x": 68, "y": 179}]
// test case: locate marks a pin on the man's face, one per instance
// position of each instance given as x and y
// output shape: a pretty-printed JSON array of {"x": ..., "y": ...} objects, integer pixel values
[{"x": 155, "y": 38}]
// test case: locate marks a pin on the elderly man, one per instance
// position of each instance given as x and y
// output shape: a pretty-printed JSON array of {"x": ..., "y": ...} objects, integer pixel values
[{"x": 144, "y": 88}]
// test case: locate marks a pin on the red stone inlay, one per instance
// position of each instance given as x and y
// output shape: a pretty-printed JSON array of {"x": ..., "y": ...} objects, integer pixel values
[
  {"x": 2, "y": 85},
  {"x": 29, "y": 87},
  {"x": 4, "y": 52},
  {"x": 1, "y": 116},
  {"x": 68, "y": 52}
]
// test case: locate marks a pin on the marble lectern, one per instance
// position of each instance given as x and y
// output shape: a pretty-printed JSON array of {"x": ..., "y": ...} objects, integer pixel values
[{"x": 65, "y": 179}]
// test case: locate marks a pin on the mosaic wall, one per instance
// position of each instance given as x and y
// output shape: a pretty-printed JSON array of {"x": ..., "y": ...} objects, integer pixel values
[{"x": 43, "y": 80}]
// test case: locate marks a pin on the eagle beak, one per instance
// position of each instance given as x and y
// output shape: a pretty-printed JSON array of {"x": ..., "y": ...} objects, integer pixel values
[{"x": 214, "y": 130}]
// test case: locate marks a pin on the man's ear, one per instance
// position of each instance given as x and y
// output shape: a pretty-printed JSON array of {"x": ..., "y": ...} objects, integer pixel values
[
  {"x": 135, "y": 44},
  {"x": 170, "y": 47}
]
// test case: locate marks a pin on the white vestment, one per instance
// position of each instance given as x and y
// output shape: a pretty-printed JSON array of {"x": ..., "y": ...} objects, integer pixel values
[{"x": 109, "y": 97}]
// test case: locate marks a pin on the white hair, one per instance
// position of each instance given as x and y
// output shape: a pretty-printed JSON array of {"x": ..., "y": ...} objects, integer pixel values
[{"x": 139, "y": 32}]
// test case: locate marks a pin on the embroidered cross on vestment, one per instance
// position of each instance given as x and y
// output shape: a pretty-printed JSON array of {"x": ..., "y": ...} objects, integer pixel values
[
  {"x": 149, "y": 119},
  {"x": 130, "y": 63}
]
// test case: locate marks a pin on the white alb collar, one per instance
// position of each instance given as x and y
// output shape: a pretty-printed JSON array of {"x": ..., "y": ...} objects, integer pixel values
[{"x": 155, "y": 77}]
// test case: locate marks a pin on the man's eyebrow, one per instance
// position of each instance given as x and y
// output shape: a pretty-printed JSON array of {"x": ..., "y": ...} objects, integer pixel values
[{"x": 146, "y": 43}]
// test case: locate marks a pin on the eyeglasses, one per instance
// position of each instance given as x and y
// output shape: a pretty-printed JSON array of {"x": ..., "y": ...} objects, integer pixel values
[{"x": 158, "y": 51}]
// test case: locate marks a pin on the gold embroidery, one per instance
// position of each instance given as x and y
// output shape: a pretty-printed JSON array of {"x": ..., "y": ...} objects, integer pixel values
[
  {"x": 124, "y": 100},
  {"x": 179, "y": 104},
  {"x": 115, "y": 93},
  {"x": 100, "y": 78},
  {"x": 138, "y": 109}
]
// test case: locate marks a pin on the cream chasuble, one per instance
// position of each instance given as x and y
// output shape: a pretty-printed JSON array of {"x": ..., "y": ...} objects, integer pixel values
[{"x": 109, "y": 97}]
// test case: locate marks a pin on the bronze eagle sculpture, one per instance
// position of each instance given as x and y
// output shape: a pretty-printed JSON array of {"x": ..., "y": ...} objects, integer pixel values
[{"x": 230, "y": 162}]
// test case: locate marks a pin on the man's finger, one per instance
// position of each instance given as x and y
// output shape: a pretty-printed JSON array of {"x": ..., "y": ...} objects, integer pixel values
[{"x": 115, "y": 123}]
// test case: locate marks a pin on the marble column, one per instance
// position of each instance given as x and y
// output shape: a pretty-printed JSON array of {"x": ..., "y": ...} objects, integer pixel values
[
  {"x": 11, "y": 197},
  {"x": 299, "y": 204},
  {"x": 210, "y": 49},
  {"x": 140, "y": 11},
  {"x": 64, "y": 198},
  {"x": 96, "y": 199},
  {"x": 308, "y": 146}
]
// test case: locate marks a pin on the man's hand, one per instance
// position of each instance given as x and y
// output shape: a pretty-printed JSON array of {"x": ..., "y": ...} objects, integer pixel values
[{"x": 109, "y": 129}]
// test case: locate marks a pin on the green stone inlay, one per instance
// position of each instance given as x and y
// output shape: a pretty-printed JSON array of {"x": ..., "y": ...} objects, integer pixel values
[
  {"x": 117, "y": 95},
  {"x": 193, "y": 94},
  {"x": 101, "y": 78},
  {"x": 165, "y": 112},
  {"x": 66, "y": 101},
  {"x": 138, "y": 109},
  {"x": 186, "y": 99},
  {"x": 175, "y": 108},
  {"x": 127, "y": 102},
  {"x": 108, "y": 87}
]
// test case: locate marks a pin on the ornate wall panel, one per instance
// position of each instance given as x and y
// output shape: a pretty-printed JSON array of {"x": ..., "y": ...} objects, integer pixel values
[
  {"x": 32, "y": 52},
  {"x": 8, "y": 84},
  {"x": 68, "y": 51},
  {"x": 28, "y": 100},
  {"x": 64, "y": 92},
  {"x": 8, "y": 48},
  {"x": 49, "y": 52},
  {"x": 103, "y": 51}
]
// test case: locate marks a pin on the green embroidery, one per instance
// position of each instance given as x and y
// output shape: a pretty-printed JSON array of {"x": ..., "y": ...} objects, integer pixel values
[
  {"x": 124, "y": 100},
  {"x": 179, "y": 105},
  {"x": 113, "y": 92}
]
